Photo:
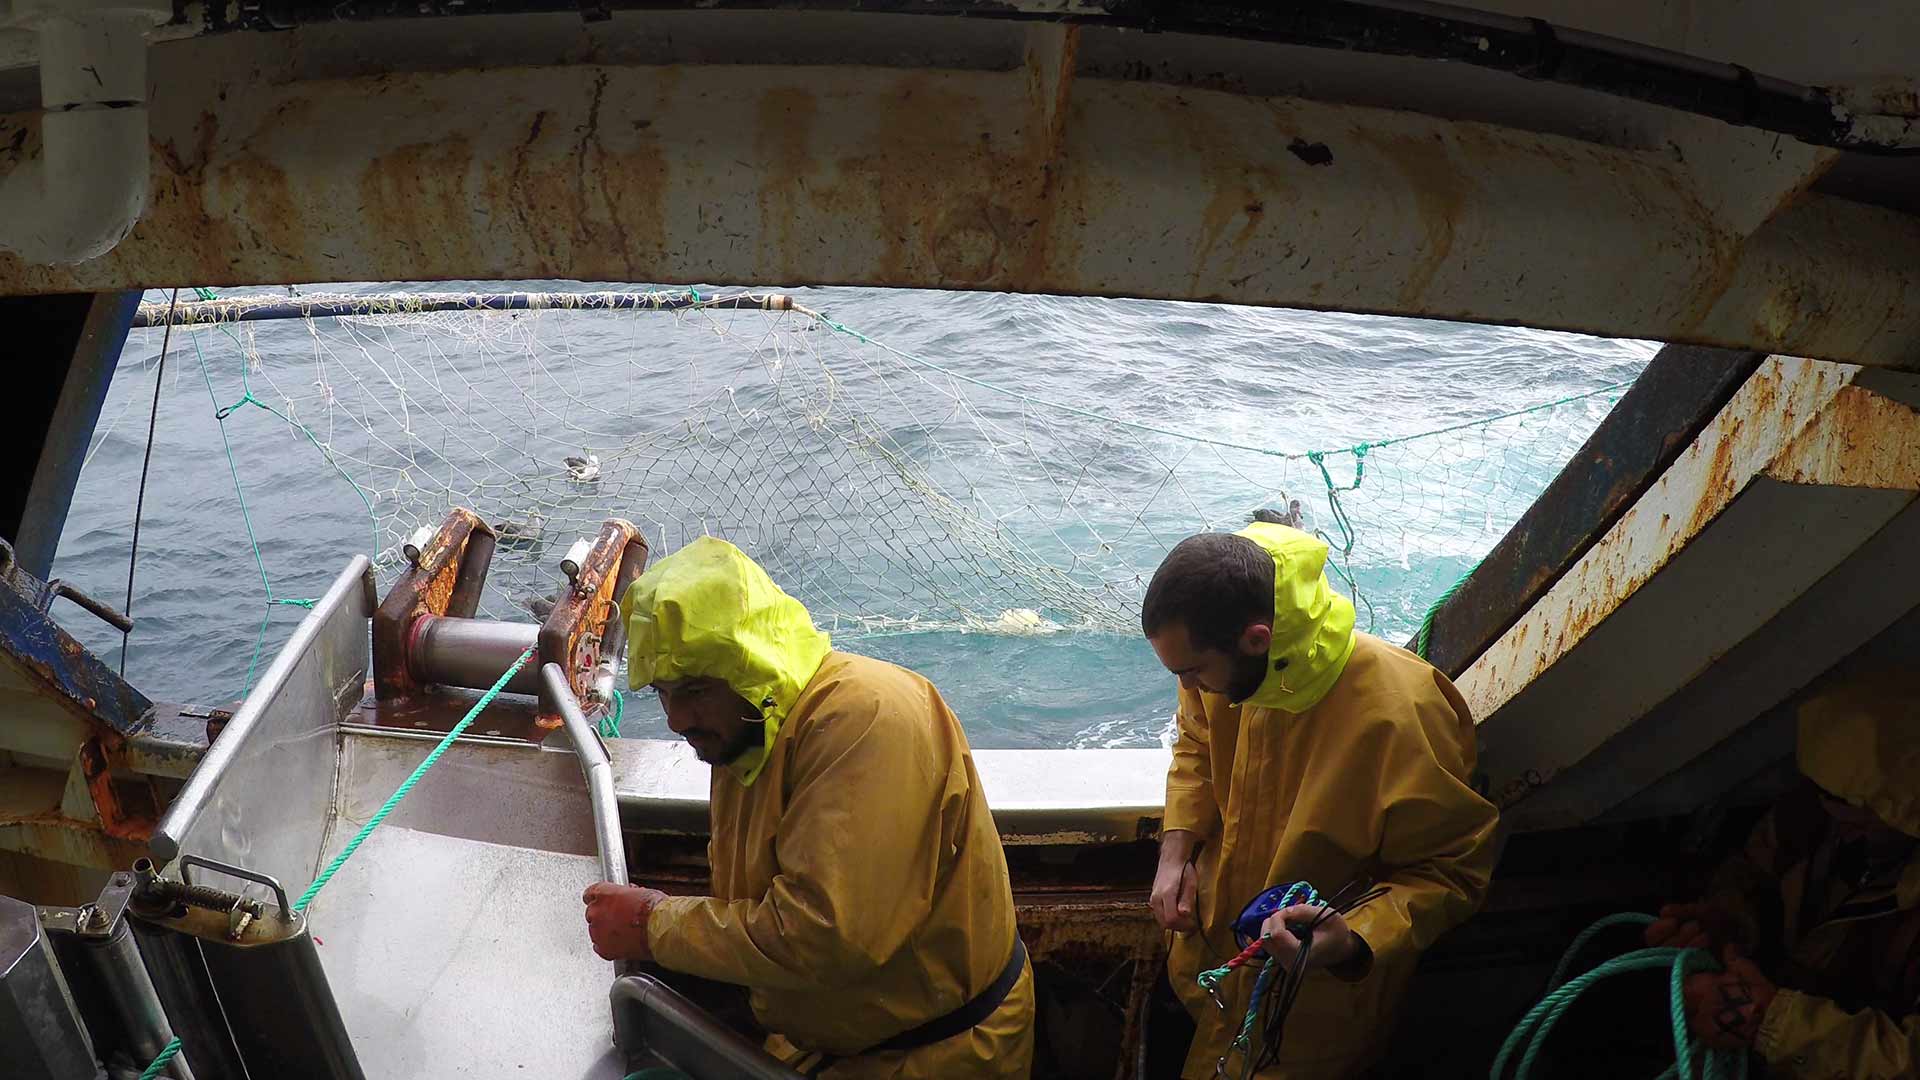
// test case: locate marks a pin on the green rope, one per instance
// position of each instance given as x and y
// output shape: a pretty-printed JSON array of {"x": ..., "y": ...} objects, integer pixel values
[
  {"x": 1679, "y": 963},
  {"x": 159, "y": 1066},
  {"x": 610, "y": 723},
  {"x": 1424, "y": 637},
  {"x": 401, "y": 792},
  {"x": 220, "y": 414}
]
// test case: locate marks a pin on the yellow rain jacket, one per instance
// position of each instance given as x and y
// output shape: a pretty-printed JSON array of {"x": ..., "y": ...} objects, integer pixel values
[
  {"x": 859, "y": 885},
  {"x": 1351, "y": 759},
  {"x": 1847, "y": 939}
]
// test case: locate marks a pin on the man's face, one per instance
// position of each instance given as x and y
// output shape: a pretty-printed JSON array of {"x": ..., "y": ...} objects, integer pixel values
[
  {"x": 1236, "y": 674},
  {"x": 715, "y": 721}
]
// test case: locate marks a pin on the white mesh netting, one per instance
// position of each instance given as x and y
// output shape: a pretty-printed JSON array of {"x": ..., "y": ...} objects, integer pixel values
[{"x": 887, "y": 491}]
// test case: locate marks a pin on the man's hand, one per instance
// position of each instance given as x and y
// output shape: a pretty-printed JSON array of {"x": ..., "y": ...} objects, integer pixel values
[
  {"x": 1693, "y": 926},
  {"x": 617, "y": 919},
  {"x": 1725, "y": 1008},
  {"x": 1176, "y": 886},
  {"x": 1334, "y": 942}
]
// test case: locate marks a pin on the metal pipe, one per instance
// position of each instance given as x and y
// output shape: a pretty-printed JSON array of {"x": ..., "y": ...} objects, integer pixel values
[
  {"x": 470, "y": 652},
  {"x": 598, "y": 770},
  {"x": 195, "y": 797},
  {"x": 116, "y": 957},
  {"x": 98, "y": 609},
  {"x": 247, "y": 310},
  {"x": 650, "y": 1018}
]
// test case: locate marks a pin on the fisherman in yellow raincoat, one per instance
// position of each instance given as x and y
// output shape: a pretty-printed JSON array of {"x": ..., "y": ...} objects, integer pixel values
[
  {"x": 860, "y": 890},
  {"x": 1306, "y": 751},
  {"x": 1818, "y": 920}
]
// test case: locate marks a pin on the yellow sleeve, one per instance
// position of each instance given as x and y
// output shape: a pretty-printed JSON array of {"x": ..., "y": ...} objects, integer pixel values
[
  {"x": 1435, "y": 853},
  {"x": 1806, "y": 1036},
  {"x": 1190, "y": 800},
  {"x": 857, "y": 845}
]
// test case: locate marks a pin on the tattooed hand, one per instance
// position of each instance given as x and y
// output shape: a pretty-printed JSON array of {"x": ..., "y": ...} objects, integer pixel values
[{"x": 1725, "y": 1008}]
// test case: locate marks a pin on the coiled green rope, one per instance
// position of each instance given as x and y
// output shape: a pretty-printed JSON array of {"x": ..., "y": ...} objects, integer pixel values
[{"x": 1680, "y": 963}]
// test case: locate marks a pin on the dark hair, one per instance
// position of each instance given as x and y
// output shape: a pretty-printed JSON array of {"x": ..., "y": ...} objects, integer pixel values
[{"x": 1215, "y": 584}]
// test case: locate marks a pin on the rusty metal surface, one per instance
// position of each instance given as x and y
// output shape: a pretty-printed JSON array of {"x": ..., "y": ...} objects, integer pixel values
[
  {"x": 572, "y": 633},
  {"x": 1677, "y": 395},
  {"x": 427, "y": 588},
  {"x": 750, "y": 174},
  {"x": 1796, "y": 478},
  {"x": 41, "y": 659}
]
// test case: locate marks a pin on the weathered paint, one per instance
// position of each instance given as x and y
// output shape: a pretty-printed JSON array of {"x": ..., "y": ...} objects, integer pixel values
[
  {"x": 38, "y": 658},
  {"x": 571, "y": 634},
  {"x": 427, "y": 588},
  {"x": 1677, "y": 395},
  {"x": 1019, "y": 180},
  {"x": 1760, "y": 419},
  {"x": 1800, "y": 470}
]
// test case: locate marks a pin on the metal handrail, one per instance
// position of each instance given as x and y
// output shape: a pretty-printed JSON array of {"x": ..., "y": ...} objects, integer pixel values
[
  {"x": 648, "y": 1017},
  {"x": 597, "y": 768}
]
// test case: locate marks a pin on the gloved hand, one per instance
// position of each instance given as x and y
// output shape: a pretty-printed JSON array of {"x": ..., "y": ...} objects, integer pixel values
[
  {"x": 617, "y": 919},
  {"x": 1725, "y": 1008}
]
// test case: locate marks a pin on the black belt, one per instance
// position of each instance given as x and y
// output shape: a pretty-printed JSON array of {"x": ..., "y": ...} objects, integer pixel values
[{"x": 946, "y": 1026}]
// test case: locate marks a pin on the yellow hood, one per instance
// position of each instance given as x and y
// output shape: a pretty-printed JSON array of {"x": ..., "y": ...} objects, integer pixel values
[
  {"x": 708, "y": 611},
  {"x": 1312, "y": 624},
  {"x": 1861, "y": 742}
]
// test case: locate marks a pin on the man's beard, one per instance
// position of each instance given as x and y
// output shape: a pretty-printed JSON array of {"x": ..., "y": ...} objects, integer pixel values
[
  {"x": 1248, "y": 673},
  {"x": 750, "y": 736}
]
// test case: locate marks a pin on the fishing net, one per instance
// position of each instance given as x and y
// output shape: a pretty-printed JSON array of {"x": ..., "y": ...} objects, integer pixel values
[{"x": 887, "y": 490}]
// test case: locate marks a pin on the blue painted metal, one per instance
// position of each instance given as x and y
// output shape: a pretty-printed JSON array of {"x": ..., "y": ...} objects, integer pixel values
[
  {"x": 98, "y": 325},
  {"x": 57, "y": 662}
]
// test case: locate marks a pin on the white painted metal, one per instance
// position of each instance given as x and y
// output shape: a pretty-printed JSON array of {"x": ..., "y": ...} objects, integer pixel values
[
  {"x": 1038, "y": 178},
  {"x": 88, "y": 186},
  {"x": 1037, "y": 796},
  {"x": 1753, "y": 547}
]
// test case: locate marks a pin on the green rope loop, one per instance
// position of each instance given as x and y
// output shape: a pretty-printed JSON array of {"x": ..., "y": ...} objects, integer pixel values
[
  {"x": 159, "y": 1066},
  {"x": 1533, "y": 1028},
  {"x": 407, "y": 785},
  {"x": 610, "y": 724}
]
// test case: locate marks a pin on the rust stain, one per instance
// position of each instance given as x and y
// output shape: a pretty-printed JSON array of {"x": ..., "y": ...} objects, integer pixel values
[
  {"x": 783, "y": 133},
  {"x": 128, "y": 809},
  {"x": 1860, "y": 439},
  {"x": 1247, "y": 193},
  {"x": 267, "y": 217},
  {"x": 417, "y": 197},
  {"x": 1439, "y": 191}
]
